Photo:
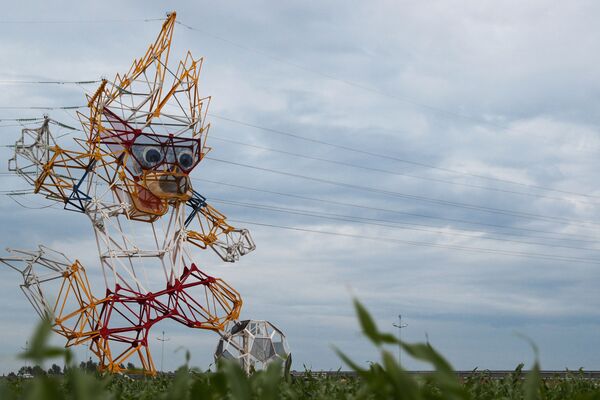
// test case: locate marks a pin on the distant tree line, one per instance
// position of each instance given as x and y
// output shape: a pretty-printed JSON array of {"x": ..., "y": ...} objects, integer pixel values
[{"x": 36, "y": 370}]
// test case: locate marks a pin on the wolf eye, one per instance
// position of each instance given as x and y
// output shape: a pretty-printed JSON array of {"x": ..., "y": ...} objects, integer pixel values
[
  {"x": 150, "y": 157},
  {"x": 185, "y": 159}
]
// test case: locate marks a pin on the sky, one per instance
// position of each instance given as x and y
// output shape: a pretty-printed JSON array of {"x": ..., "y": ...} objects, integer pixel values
[{"x": 452, "y": 149}]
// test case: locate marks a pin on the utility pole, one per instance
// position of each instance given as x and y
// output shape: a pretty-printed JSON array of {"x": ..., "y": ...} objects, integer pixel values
[
  {"x": 162, "y": 352},
  {"x": 400, "y": 325},
  {"x": 26, "y": 348}
]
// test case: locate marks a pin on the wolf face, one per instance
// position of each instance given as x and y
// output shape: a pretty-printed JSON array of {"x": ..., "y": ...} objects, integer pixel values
[{"x": 156, "y": 166}]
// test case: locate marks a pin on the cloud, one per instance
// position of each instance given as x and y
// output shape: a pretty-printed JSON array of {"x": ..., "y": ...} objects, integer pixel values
[{"x": 504, "y": 91}]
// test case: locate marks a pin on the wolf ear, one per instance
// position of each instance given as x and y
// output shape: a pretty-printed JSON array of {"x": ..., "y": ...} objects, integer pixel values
[{"x": 120, "y": 133}]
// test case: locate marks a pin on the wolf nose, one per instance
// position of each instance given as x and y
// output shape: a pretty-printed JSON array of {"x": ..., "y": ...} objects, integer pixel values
[{"x": 173, "y": 184}]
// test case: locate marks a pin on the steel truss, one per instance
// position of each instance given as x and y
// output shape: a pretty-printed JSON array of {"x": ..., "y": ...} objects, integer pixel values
[{"x": 145, "y": 132}]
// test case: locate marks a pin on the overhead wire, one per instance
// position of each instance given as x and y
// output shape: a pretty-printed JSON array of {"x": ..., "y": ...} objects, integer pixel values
[
  {"x": 41, "y": 107},
  {"x": 347, "y": 219},
  {"x": 48, "y": 82},
  {"x": 21, "y": 119},
  {"x": 398, "y": 159},
  {"x": 330, "y": 77},
  {"x": 385, "y": 171},
  {"x": 363, "y": 220},
  {"x": 431, "y": 244},
  {"x": 289, "y": 153},
  {"x": 76, "y": 21},
  {"x": 31, "y": 207},
  {"x": 17, "y": 191},
  {"x": 574, "y": 238},
  {"x": 22, "y": 124},
  {"x": 335, "y": 78},
  {"x": 282, "y": 60},
  {"x": 437, "y": 201},
  {"x": 389, "y": 193},
  {"x": 384, "y": 239},
  {"x": 339, "y": 162},
  {"x": 462, "y": 248},
  {"x": 384, "y": 223},
  {"x": 525, "y": 231},
  {"x": 362, "y": 86},
  {"x": 369, "y": 153}
]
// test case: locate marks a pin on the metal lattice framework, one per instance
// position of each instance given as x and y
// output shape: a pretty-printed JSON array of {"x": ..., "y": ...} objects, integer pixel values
[{"x": 144, "y": 133}]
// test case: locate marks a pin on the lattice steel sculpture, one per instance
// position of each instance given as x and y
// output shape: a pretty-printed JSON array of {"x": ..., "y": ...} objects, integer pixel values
[
  {"x": 144, "y": 133},
  {"x": 254, "y": 345}
]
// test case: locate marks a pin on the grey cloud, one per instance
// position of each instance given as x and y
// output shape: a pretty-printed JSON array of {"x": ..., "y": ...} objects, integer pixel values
[{"x": 524, "y": 69}]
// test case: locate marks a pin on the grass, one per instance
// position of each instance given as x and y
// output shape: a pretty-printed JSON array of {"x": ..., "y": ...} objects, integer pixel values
[{"x": 385, "y": 379}]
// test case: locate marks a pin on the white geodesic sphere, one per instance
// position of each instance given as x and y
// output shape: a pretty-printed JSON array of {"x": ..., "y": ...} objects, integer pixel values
[{"x": 254, "y": 344}]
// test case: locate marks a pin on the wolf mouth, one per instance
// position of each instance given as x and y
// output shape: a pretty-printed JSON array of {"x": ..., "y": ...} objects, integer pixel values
[
  {"x": 173, "y": 184},
  {"x": 168, "y": 186}
]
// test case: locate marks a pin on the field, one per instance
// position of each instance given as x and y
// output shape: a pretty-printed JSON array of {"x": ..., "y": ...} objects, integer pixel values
[{"x": 383, "y": 380}]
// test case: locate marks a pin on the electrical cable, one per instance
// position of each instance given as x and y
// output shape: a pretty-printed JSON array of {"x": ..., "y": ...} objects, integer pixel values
[
  {"x": 525, "y": 231},
  {"x": 423, "y": 198},
  {"x": 384, "y": 171},
  {"x": 30, "y": 207},
  {"x": 398, "y": 159},
  {"x": 22, "y": 124},
  {"x": 561, "y": 237},
  {"x": 383, "y": 223},
  {"x": 43, "y": 108},
  {"x": 328, "y": 76},
  {"x": 390, "y": 193},
  {"x": 49, "y": 82},
  {"x": 370, "y": 153},
  {"x": 21, "y": 119},
  {"x": 76, "y": 21},
  {"x": 430, "y": 244},
  {"x": 371, "y": 89}
]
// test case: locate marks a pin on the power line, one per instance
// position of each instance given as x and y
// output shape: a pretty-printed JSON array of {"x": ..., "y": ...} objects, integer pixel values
[
  {"x": 390, "y": 193},
  {"x": 396, "y": 194},
  {"x": 379, "y": 155},
  {"x": 372, "y": 89},
  {"x": 418, "y": 215},
  {"x": 21, "y": 119},
  {"x": 75, "y": 21},
  {"x": 12, "y": 197},
  {"x": 431, "y": 244},
  {"x": 384, "y": 223},
  {"x": 60, "y": 124},
  {"x": 365, "y": 152},
  {"x": 42, "y": 108},
  {"x": 348, "y": 148},
  {"x": 50, "y": 82},
  {"x": 385, "y": 171},
  {"x": 22, "y": 124},
  {"x": 362, "y": 152},
  {"x": 440, "y": 111},
  {"x": 328, "y": 76},
  {"x": 398, "y": 159},
  {"x": 363, "y": 220},
  {"x": 397, "y": 212},
  {"x": 32, "y": 121},
  {"x": 17, "y": 191},
  {"x": 437, "y": 201}
]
